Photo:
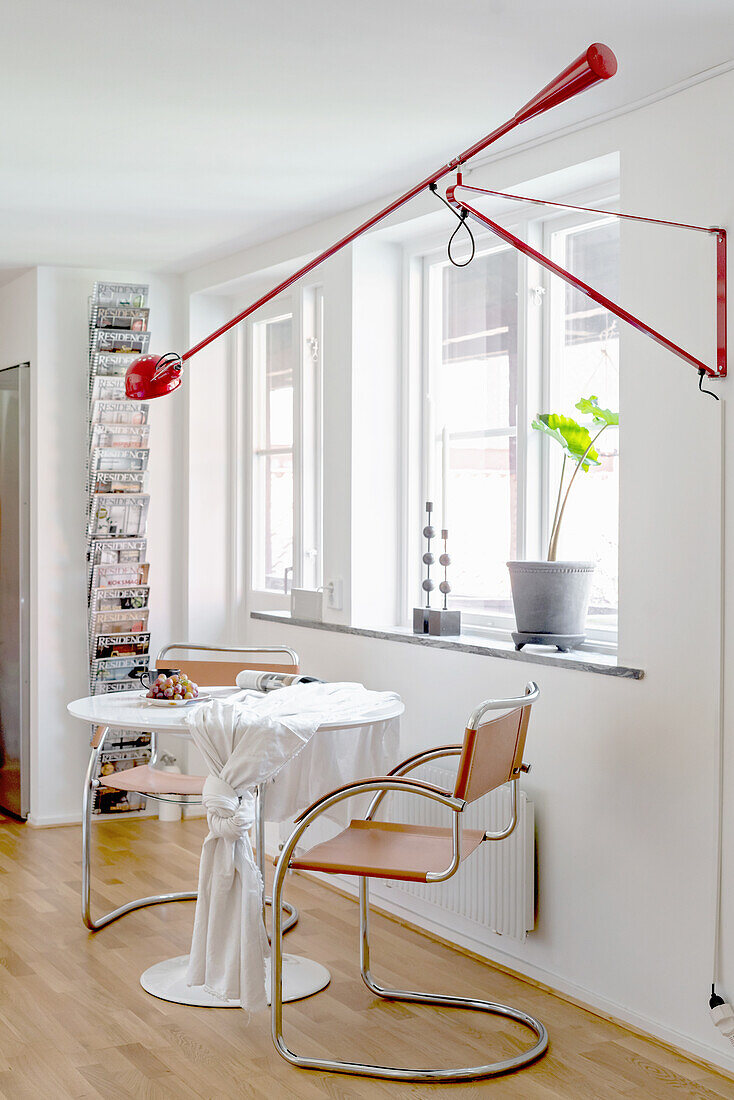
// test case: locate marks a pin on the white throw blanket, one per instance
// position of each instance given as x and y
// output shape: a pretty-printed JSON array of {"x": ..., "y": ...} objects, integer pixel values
[{"x": 245, "y": 741}]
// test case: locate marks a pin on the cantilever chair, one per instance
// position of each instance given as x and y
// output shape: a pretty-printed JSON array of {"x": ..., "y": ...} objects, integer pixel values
[
  {"x": 490, "y": 756},
  {"x": 155, "y": 783}
]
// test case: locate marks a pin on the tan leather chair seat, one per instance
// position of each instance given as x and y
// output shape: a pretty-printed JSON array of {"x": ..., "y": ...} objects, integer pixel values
[
  {"x": 386, "y": 849},
  {"x": 152, "y": 781}
]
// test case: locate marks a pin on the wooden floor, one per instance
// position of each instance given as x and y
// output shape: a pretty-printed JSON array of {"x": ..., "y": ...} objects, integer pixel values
[{"x": 74, "y": 1021}]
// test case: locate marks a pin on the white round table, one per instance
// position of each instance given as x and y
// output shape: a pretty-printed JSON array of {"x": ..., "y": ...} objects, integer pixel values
[{"x": 302, "y": 977}]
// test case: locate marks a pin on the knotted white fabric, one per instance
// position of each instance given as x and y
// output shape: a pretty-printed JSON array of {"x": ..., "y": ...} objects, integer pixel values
[
  {"x": 246, "y": 741},
  {"x": 226, "y": 815}
]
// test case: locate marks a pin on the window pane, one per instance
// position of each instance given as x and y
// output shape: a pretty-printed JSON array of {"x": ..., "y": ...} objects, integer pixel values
[
  {"x": 589, "y": 364},
  {"x": 279, "y": 521},
  {"x": 273, "y": 454},
  {"x": 482, "y": 522},
  {"x": 474, "y": 391},
  {"x": 279, "y": 382},
  {"x": 477, "y": 378}
]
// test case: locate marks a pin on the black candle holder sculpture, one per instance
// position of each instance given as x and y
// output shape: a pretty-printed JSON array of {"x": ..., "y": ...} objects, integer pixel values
[
  {"x": 435, "y": 620},
  {"x": 441, "y": 621},
  {"x": 420, "y": 614}
]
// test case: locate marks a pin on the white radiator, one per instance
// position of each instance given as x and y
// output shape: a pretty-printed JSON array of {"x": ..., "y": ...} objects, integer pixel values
[{"x": 495, "y": 886}]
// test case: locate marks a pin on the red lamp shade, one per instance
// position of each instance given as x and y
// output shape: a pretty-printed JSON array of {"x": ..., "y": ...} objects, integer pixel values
[
  {"x": 595, "y": 64},
  {"x": 153, "y": 376}
]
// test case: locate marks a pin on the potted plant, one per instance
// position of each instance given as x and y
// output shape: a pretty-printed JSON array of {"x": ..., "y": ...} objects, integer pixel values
[{"x": 551, "y": 598}]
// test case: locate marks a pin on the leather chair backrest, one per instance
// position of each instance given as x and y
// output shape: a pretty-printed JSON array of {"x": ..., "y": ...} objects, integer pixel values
[
  {"x": 492, "y": 754},
  {"x": 214, "y": 673}
]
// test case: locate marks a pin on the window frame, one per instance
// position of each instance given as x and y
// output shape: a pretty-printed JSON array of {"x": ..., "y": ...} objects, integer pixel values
[
  {"x": 305, "y": 306},
  {"x": 534, "y": 224},
  {"x": 559, "y": 221}
]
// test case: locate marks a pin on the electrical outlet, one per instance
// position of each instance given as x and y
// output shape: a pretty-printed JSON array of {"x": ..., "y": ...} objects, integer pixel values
[{"x": 335, "y": 593}]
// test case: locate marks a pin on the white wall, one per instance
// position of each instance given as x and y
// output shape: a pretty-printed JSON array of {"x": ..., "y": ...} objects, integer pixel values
[
  {"x": 623, "y": 776},
  {"x": 43, "y": 317},
  {"x": 18, "y": 320},
  {"x": 376, "y": 390}
]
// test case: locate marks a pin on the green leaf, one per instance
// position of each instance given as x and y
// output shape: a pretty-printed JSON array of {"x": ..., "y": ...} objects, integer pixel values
[
  {"x": 573, "y": 438},
  {"x": 590, "y": 406}
]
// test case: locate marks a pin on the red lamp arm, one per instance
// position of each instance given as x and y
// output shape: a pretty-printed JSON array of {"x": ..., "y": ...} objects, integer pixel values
[
  {"x": 595, "y": 64},
  {"x": 456, "y": 195},
  {"x": 148, "y": 377}
]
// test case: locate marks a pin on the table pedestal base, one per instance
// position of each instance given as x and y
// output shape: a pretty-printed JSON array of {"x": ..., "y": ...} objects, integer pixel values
[{"x": 301, "y": 978}]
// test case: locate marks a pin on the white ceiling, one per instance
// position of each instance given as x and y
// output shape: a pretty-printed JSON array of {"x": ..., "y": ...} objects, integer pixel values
[{"x": 160, "y": 134}]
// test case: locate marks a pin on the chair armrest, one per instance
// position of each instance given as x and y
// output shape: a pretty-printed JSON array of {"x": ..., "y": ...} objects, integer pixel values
[
  {"x": 383, "y": 783},
  {"x": 424, "y": 757},
  {"x": 408, "y": 764},
  {"x": 363, "y": 786}
]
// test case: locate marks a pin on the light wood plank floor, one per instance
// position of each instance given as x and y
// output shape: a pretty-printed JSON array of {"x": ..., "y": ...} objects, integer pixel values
[{"x": 74, "y": 1021}]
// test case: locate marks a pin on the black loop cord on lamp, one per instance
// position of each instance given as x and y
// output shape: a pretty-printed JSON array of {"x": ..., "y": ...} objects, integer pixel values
[{"x": 462, "y": 223}]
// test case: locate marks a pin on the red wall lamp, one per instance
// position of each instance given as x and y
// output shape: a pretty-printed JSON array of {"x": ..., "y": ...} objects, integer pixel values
[
  {"x": 458, "y": 196},
  {"x": 153, "y": 376}
]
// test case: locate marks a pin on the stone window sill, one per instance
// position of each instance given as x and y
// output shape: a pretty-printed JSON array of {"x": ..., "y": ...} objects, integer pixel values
[{"x": 604, "y": 664}]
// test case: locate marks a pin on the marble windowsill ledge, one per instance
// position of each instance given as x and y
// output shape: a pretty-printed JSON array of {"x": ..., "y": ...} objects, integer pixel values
[{"x": 604, "y": 664}]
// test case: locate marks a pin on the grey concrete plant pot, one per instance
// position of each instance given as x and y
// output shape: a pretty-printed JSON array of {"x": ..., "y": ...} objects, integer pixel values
[{"x": 551, "y": 600}]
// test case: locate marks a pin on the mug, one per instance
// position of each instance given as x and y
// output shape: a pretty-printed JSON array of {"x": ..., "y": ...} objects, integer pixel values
[{"x": 153, "y": 674}]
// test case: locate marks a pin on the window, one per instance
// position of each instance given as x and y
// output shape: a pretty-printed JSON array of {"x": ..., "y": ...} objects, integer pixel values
[
  {"x": 273, "y": 379},
  {"x": 584, "y": 359},
  {"x": 503, "y": 340},
  {"x": 474, "y": 378},
  {"x": 285, "y": 374}
]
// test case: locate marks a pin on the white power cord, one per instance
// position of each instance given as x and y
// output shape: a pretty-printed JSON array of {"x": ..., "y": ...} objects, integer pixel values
[{"x": 722, "y": 1013}]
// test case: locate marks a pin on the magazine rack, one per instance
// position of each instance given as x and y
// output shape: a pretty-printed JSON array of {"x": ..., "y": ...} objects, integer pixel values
[{"x": 117, "y": 516}]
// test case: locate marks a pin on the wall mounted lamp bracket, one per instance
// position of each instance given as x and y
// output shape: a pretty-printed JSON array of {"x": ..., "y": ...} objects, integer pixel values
[
  {"x": 153, "y": 375},
  {"x": 462, "y": 196}
]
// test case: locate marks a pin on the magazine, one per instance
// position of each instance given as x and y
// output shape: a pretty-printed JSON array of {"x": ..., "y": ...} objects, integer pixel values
[
  {"x": 110, "y": 687},
  {"x": 126, "y": 739},
  {"x": 129, "y": 574},
  {"x": 114, "y": 551},
  {"x": 121, "y": 645},
  {"x": 108, "y": 800},
  {"x": 119, "y": 340},
  {"x": 113, "y": 364},
  {"x": 121, "y": 317},
  {"x": 118, "y": 481},
  {"x": 118, "y": 670},
  {"x": 118, "y": 622},
  {"x": 130, "y": 436},
  {"x": 122, "y": 515},
  {"x": 123, "y": 597},
  {"x": 118, "y": 459},
  {"x": 119, "y": 412},
  {"x": 120, "y": 294},
  {"x": 108, "y": 388}
]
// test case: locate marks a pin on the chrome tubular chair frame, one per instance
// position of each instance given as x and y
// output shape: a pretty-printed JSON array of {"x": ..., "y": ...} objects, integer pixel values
[
  {"x": 91, "y": 783},
  {"x": 228, "y": 649},
  {"x": 396, "y": 781}
]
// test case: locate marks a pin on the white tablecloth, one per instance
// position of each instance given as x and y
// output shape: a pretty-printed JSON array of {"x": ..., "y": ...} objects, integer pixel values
[
  {"x": 332, "y": 758},
  {"x": 252, "y": 740}
]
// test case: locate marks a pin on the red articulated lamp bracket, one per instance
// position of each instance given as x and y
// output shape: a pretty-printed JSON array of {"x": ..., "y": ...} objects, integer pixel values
[
  {"x": 153, "y": 376},
  {"x": 458, "y": 196}
]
